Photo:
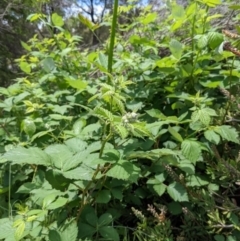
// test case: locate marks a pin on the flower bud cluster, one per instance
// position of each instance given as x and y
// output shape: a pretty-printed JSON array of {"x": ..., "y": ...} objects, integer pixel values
[{"x": 129, "y": 118}]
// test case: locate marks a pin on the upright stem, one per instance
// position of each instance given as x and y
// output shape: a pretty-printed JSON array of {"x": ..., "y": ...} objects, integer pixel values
[{"x": 112, "y": 39}]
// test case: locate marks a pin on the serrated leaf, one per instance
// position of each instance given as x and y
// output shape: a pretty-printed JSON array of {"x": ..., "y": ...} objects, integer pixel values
[
  {"x": 227, "y": 133},
  {"x": 80, "y": 173},
  {"x": 32, "y": 155},
  {"x": 6, "y": 228},
  {"x": 177, "y": 192},
  {"x": 104, "y": 196},
  {"x": 76, "y": 145},
  {"x": 103, "y": 113},
  {"x": 191, "y": 150},
  {"x": 204, "y": 115},
  {"x": 70, "y": 232},
  {"x": 60, "y": 154},
  {"x": 124, "y": 170},
  {"x": 212, "y": 136},
  {"x": 121, "y": 130}
]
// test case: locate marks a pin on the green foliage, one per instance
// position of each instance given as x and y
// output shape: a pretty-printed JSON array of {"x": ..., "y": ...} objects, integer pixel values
[{"x": 91, "y": 137}]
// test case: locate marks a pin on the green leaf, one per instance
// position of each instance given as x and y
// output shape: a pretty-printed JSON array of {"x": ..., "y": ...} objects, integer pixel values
[
  {"x": 153, "y": 154},
  {"x": 124, "y": 170},
  {"x": 234, "y": 7},
  {"x": 87, "y": 22},
  {"x": 25, "y": 67},
  {"x": 56, "y": 179},
  {"x": 204, "y": 115},
  {"x": 160, "y": 188},
  {"x": 219, "y": 237},
  {"x": 177, "y": 192},
  {"x": 61, "y": 201},
  {"x": 178, "y": 12},
  {"x": 76, "y": 145},
  {"x": 77, "y": 84},
  {"x": 149, "y": 18},
  {"x": 49, "y": 199},
  {"x": 121, "y": 130},
  {"x": 92, "y": 218},
  {"x": 60, "y": 117},
  {"x": 176, "y": 48},
  {"x": 78, "y": 126},
  {"x": 60, "y": 155},
  {"x": 26, "y": 46},
  {"x": 156, "y": 114},
  {"x": 54, "y": 235},
  {"x": 109, "y": 233},
  {"x": 80, "y": 173},
  {"x": 6, "y": 228},
  {"x": 117, "y": 193},
  {"x": 104, "y": 196},
  {"x": 32, "y": 155},
  {"x": 103, "y": 60},
  {"x": 19, "y": 230},
  {"x": 202, "y": 42},
  {"x": 191, "y": 150},
  {"x": 85, "y": 230},
  {"x": 212, "y": 136},
  {"x": 57, "y": 20},
  {"x": 70, "y": 231},
  {"x": 212, "y": 3},
  {"x": 48, "y": 64},
  {"x": 215, "y": 39},
  {"x": 175, "y": 134},
  {"x": 231, "y": 238},
  {"x": 175, "y": 208},
  {"x": 28, "y": 127},
  {"x": 227, "y": 133},
  {"x": 197, "y": 181},
  {"x": 105, "y": 219},
  {"x": 187, "y": 167}
]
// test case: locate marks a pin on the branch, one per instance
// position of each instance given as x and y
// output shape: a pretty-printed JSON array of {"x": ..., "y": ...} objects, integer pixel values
[{"x": 5, "y": 11}]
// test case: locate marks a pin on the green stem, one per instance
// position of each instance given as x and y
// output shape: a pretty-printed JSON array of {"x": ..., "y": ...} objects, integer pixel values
[{"x": 112, "y": 39}]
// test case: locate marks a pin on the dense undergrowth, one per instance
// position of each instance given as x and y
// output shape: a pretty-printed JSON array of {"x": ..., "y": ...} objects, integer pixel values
[{"x": 125, "y": 142}]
